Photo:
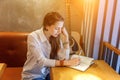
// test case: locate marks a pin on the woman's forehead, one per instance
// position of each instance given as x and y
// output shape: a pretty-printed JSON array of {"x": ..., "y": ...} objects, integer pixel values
[{"x": 59, "y": 24}]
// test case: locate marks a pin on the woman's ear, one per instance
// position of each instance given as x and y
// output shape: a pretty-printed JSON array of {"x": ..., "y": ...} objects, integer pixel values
[{"x": 46, "y": 28}]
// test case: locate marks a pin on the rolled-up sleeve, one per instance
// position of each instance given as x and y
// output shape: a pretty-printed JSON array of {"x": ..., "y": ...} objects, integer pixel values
[
  {"x": 35, "y": 51},
  {"x": 63, "y": 53}
]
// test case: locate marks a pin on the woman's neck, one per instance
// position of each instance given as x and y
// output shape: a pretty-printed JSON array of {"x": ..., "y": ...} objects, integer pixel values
[{"x": 47, "y": 34}]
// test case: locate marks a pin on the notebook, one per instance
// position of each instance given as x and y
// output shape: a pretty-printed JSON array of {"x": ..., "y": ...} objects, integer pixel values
[{"x": 85, "y": 62}]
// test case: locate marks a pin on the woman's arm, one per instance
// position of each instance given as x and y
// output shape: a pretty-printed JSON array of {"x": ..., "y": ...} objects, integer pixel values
[
  {"x": 71, "y": 62},
  {"x": 66, "y": 51},
  {"x": 66, "y": 40}
]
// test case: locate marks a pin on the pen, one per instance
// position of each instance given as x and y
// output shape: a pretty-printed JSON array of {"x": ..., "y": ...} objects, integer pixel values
[{"x": 80, "y": 52}]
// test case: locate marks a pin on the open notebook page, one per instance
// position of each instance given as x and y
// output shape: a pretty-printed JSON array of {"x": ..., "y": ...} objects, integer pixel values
[{"x": 85, "y": 62}]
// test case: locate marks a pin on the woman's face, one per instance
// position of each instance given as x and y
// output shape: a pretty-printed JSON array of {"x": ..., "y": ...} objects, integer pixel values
[{"x": 55, "y": 29}]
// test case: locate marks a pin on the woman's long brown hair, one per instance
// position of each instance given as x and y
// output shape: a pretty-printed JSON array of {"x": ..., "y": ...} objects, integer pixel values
[{"x": 50, "y": 19}]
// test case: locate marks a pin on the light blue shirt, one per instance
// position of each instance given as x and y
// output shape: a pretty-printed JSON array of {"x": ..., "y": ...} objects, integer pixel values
[{"x": 38, "y": 56}]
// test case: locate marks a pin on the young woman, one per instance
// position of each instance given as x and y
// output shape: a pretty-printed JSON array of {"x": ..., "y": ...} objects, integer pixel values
[{"x": 47, "y": 47}]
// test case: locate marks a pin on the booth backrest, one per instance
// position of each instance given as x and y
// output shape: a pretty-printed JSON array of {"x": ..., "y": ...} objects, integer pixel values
[{"x": 13, "y": 48}]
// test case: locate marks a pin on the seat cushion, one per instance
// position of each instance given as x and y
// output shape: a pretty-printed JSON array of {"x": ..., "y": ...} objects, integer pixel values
[
  {"x": 12, "y": 73},
  {"x": 13, "y": 48}
]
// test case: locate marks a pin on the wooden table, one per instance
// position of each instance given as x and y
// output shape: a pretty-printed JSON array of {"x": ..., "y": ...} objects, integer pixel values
[
  {"x": 2, "y": 68},
  {"x": 97, "y": 71}
]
